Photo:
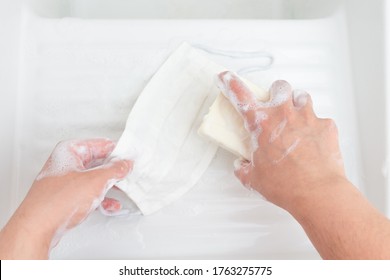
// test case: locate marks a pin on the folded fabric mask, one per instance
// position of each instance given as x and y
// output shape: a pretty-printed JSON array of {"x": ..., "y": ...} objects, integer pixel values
[{"x": 161, "y": 131}]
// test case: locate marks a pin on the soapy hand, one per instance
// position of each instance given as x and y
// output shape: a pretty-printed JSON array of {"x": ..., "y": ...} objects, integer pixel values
[
  {"x": 296, "y": 164},
  {"x": 293, "y": 151},
  {"x": 70, "y": 186}
]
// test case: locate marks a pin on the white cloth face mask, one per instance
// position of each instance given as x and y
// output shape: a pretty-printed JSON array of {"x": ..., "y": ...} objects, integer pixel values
[{"x": 161, "y": 131}]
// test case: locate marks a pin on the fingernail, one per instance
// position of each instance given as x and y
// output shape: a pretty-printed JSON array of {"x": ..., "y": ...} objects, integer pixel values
[
  {"x": 126, "y": 166},
  {"x": 123, "y": 166},
  {"x": 223, "y": 81},
  {"x": 111, "y": 205},
  {"x": 300, "y": 98}
]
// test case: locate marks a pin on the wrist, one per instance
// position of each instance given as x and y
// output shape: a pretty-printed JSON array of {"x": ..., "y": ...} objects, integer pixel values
[
  {"x": 20, "y": 239},
  {"x": 312, "y": 195}
]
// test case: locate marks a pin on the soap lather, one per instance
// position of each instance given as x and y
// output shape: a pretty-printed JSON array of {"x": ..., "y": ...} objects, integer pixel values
[{"x": 224, "y": 125}]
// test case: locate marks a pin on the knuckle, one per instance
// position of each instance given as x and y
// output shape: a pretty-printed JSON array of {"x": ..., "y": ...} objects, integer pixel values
[
  {"x": 329, "y": 125},
  {"x": 281, "y": 84},
  {"x": 253, "y": 120},
  {"x": 289, "y": 112}
]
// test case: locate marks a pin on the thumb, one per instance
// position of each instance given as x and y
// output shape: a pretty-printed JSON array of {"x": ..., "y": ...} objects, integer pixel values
[
  {"x": 242, "y": 170},
  {"x": 113, "y": 170}
]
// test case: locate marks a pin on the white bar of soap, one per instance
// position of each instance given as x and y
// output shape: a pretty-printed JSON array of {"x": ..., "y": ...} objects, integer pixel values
[{"x": 224, "y": 125}]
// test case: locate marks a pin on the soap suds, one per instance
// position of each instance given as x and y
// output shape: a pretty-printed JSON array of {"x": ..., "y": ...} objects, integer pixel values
[
  {"x": 289, "y": 150},
  {"x": 230, "y": 84},
  {"x": 80, "y": 156},
  {"x": 244, "y": 101},
  {"x": 94, "y": 205},
  {"x": 61, "y": 161},
  {"x": 246, "y": 104},
  {"x": 261, "y": 116},
  {"x": 225, "y": 84},
  {"x": 277, "y": 131},
  {"x": 74, "y": 155},
  {"x": 280, "y": 93}
]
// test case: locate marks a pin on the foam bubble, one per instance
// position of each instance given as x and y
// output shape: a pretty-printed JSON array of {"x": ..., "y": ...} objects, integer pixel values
[
  {"x": 223, "y": 82},
  {"x": 61, "y": 161},
  {"x": 261, "y": 116},
  {"x": 255, "y": 142},
  {"x": 289, "y": 150},
  {"x": 277, "y": 130},
  {"x": 73, "y": 155},
  {"x": 280, "y": 93}
]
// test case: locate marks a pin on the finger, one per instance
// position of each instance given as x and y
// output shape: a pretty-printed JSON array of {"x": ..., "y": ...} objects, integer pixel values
[
  {"x": 104, "y": 177},
  {"x": 235, "y": 90},
  {"x": 300, "y": 98},
  {"x": 329, "y": 125},
  {"x": 92, "y": 152},
  {"x": 115, "y": 169},
  {"x": 280, "y": 94},
  {"x": 110, "y": 172},
  {"x": 303, "y": 102},
  {"x": 240, "y": 96},
  {"x": 242, "y": 170},
  {"x": 111, "y": 204}
]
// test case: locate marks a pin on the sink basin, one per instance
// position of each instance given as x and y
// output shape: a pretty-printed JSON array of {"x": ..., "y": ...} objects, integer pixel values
[{"x": 73, "y": 69}]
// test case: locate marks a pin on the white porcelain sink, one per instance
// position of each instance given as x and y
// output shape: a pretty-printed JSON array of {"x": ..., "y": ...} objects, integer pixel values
[{"x": 73, "y": 69}]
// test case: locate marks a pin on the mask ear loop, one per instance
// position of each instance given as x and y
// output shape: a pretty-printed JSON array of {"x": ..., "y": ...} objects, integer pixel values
[{"x": 267, "y": 56}]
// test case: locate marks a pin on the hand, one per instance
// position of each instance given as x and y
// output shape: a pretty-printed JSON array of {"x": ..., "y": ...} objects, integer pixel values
[
  {"x": 70, "y": 186},
  {"x": 294, "y": 152}
]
